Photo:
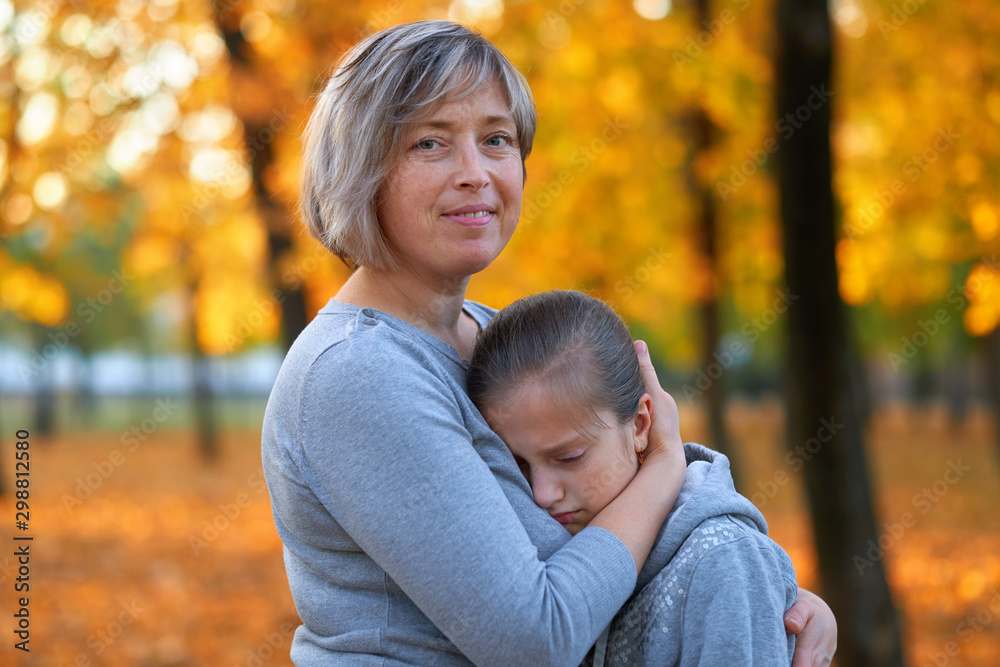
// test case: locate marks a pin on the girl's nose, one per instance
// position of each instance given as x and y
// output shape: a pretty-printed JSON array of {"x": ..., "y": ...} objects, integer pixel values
[{"x": 546, "y": 488}]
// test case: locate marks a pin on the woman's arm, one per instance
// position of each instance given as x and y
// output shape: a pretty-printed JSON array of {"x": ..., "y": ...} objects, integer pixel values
[
  {"x": 815, "y": 629},
  {"x": 384, "y": 448}
]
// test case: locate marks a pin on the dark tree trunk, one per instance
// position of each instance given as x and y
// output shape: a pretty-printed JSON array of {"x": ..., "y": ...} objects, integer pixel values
[
  {"x": 204, "y": 406},
  {"x": 715, "y": 395},
  {"x": 85, "y": 400},
  {"x": 204, "y": 400},
  {"x": 4, "y": 452},
  {"x": 260, "y": 133},
  {"x": 45, "y": 416},
  {"x": 992, "y": 353},
  {"x": 826, "y": 407}
]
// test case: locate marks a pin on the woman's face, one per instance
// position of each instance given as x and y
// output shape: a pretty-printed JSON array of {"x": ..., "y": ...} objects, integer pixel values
[
  {"x": 575, "y": 467},
  {"x": 452, "y": 200}
]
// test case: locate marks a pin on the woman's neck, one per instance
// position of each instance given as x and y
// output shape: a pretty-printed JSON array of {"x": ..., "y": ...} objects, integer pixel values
[{"x": 434, "y": 306}]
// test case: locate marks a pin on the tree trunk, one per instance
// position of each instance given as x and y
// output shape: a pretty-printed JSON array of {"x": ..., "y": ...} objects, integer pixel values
[
  {"x": 85, "y": 400},
  {"x": 991, "y": 351},
  {"x": 260, "y": 138},
  {"x": 715, "y": 395},
  {"x": 204, "y": 408},
  {"x": 826, "y": 411},
  {"x": 4, "y": 454},
  {"x": 44, "y": 421}
]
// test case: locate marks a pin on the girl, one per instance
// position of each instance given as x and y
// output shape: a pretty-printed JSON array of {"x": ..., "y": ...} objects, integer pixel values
[{"x": 557, "y": 377}]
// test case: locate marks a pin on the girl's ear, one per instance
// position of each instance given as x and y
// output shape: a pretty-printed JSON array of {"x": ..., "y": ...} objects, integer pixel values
[{"x": 640, "y": 425}]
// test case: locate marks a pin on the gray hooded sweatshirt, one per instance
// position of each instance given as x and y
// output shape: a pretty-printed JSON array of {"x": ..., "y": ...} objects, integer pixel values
[{"x": 715, "y": 588}]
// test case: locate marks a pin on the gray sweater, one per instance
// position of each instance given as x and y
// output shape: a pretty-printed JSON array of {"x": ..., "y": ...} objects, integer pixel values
[
  {"x": 715, "y": 588},
  {"x": 410, "y": 536}
]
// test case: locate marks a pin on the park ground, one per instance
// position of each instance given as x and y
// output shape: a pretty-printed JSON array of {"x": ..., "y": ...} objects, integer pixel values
[{"x": 163, "y": 560}]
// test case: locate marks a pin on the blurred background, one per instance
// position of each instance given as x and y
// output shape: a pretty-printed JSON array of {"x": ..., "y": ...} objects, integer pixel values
[{"x": 795, "y": 204}]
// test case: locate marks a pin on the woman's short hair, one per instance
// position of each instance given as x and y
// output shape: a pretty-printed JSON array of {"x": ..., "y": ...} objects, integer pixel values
[
  {"x": 573, "y": 341},
  {"x": 378, "y": 88}
]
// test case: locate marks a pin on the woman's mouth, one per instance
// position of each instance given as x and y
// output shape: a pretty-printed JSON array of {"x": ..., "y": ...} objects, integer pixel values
[
  {"x": 565, "y": 517},
  {"x": 471, "y": 217}
]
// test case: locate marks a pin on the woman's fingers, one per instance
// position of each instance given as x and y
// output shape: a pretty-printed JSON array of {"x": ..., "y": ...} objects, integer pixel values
[
  {"x": 665, "y": 429},
  {"x": 797, "y": 616},
  {"x": 661, "y": 399},
  {"x": 815, "y": 630}
]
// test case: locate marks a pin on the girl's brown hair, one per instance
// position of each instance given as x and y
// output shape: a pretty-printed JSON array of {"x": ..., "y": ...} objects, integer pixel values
[{"x": 566, "y": 338}]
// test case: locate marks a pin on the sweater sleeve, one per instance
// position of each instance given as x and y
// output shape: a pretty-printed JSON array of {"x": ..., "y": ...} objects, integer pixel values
[
  {"x": 734, "y": 609},
  {"x": 385, "y": 449}
]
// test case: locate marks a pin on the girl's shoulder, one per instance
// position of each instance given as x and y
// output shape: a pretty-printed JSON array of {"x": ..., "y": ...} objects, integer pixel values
[{"x": 480, "y": 312}]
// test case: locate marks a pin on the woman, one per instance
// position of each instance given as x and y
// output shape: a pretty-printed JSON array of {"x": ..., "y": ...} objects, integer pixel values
[{"x": 410, "y": 535}]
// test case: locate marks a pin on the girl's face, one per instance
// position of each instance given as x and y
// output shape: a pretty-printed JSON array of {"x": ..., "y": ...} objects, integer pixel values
[{"x": 575, "y": 467}]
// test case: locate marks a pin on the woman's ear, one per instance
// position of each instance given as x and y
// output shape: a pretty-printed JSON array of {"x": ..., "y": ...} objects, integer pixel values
[{"x": 640, "y": 425}]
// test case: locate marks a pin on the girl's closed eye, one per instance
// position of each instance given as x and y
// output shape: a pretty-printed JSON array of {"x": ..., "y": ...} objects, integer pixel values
[{"x": 572, "y": 457}]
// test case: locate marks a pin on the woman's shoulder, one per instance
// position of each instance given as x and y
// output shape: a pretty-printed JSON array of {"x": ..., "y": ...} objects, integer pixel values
[{"x": 366, "y": 346}]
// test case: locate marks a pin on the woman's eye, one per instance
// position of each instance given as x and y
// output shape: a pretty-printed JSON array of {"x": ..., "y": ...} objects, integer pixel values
[
  {"x": 426, "y": 144},
  {"x": 500, "y": 140}
]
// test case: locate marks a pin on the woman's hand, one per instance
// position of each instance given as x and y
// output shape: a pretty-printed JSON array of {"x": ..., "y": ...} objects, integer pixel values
[
  {"x": 815, "y": 629},
  {"x": 636, "y": 515},
  {"x": 664, "y": 433}
]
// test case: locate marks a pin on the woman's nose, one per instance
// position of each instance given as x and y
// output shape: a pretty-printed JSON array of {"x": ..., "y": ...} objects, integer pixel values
[
  {"x": 471, "y": 168},
  {"x": 545, "y": 488}
]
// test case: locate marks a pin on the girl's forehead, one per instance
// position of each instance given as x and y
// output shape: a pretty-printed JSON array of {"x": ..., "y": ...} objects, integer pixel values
[
  {"x": 572, "y": 398},
  {"x": 539, "y": 415}
]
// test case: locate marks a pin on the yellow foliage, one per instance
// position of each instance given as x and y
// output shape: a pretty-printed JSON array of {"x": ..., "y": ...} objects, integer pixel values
[
  {"x": 982, "y": 289},
  {"x": 150, "y": 254},
  {"x": 231, "y": 312},
  {"x": 984, "y": 221},
  {"x": 33, "y": 296}
]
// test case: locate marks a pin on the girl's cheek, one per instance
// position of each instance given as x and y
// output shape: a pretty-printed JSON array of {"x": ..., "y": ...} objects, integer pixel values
[{"x": 595, "y": 486}]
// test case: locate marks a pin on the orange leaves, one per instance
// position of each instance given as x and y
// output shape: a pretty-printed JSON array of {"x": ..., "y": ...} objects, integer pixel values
[
  {"x": 125, "y": 548},
  {"x": 150, "y": 254},
  {"x": 985, "y": 222},
  {"x": 982, "y": 288}
]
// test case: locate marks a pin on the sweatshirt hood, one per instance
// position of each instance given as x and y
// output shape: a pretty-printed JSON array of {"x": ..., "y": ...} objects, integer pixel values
[{"x": 708, "y": 491}]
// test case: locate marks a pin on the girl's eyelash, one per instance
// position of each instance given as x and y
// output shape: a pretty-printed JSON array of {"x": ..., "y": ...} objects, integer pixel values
[{"x": 572, "y": 459}]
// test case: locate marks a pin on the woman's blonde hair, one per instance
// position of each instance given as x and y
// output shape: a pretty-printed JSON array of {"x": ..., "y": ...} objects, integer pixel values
[{"x": 378, "y": 88}]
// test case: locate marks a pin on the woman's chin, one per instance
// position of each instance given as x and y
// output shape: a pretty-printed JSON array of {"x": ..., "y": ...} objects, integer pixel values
[{"x": 471, "y": 263}]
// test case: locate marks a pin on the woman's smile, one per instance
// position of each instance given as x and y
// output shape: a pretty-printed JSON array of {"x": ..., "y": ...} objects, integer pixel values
[{"x": 476, "y": 215}]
